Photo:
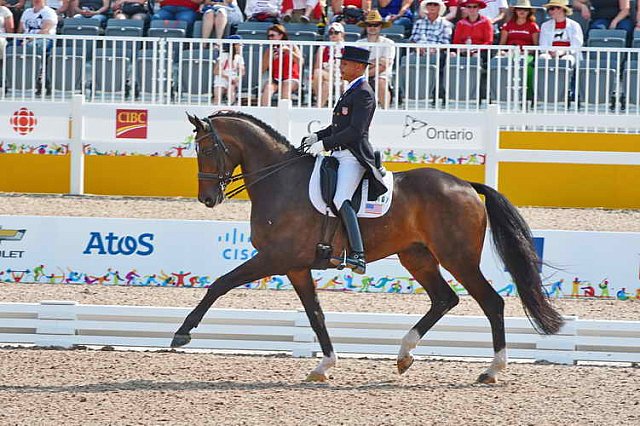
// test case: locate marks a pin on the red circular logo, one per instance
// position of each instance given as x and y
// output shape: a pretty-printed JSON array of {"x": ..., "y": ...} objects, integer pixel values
[{"x": 23, "y": 121}]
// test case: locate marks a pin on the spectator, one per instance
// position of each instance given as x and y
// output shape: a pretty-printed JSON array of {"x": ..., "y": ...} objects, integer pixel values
[
  {"x": 521, "y": 29},
  {"x": 452, "y": 10},
  {"x": 496, "y": 11},
  {"x": 39, "y": 19},
  {"x": 228, "y": 71},
  {"x": 397, "y": 12},
  {"x": 474, "y": 28},
  {"x": 217, "y": 14},
  {"x": 299, "y": 10},
  {"x": 381, "y": 57},
  {"x": 606, "y": 14},
  {"x": 263, "y": 10},
  {"x": 62, "y": 8},
  {"x": 178, "y": 10},
  {"x": 559, "y": 32},
  {"x": 326, "y": 69},
  {"x": 17, "y": 8},
  {"x": 282, "y": 61},
  {"x": 94, "y": 9},
  {"x": 349, "y": 11},
  {"x": 6, "y": 26},
  {"x": 431, "y": 27},
  {"x": 130, "y": 9}
]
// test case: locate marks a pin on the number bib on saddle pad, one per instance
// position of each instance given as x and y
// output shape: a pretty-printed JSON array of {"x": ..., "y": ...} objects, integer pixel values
[{"x": 366, "y": 208}]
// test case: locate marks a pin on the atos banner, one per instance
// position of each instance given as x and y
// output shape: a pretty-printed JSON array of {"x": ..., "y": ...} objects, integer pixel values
[{"x": 68, "y": 250}]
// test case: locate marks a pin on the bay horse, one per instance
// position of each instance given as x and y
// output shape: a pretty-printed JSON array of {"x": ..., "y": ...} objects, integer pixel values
[{"x": 435, "y": 219}]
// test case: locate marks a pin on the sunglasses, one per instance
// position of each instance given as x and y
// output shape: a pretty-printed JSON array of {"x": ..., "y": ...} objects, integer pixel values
[
  {"x": 378, "y": 24},
  {"x": 334, "y": 32},
  {"x": 555, "y": 8},
  {"x": 472, "y": 6}
]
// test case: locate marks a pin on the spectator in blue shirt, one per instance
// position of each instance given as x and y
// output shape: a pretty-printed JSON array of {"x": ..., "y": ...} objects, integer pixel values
[{"x": 398, "y": 12}]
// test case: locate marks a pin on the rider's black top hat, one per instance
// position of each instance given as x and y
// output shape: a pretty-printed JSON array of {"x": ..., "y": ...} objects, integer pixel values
[{"x": 355, "y": 54}]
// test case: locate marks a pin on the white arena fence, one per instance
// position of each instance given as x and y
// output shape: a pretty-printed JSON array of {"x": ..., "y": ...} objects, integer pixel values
[
  {"x": 65, "y": 323},
  {"x": 181, "y": 71}
]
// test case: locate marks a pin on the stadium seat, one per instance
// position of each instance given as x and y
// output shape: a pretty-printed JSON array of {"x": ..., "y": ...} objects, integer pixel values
[
  {"x": 65, "y": 73},
  {"x": 303, "y": 36},
  {"x": 196, "y": 77},
  {"x": 607, "y": 38},
  {"x": 394, "y": 32},
  {"x": 630, "y": 87},
  {"x": 596, "y": 83},
  {"x": 254, "y": 26},
  {"x": 417, "y": 76},
  {"x": 124, "y": 28},
  {"x": 501, "y": 77},
  {"x": 167, "y": 29},
  {"x": 552, "y": 80},
  {"x": 22, "y": 70},
  {"x": 463, "y": 79},
  {"x": 110, "y": 73}
]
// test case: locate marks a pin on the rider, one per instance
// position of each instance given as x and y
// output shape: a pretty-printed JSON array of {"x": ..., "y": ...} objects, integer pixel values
[{"x": 348, "y": 140}]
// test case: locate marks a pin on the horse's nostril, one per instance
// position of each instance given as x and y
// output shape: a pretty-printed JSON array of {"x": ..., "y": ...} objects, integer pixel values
[{"x": 208, "y": 202}]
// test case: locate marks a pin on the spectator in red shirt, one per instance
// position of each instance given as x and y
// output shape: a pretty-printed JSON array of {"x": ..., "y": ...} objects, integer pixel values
[
  {"x": 281, "y": 62},
  {"x": 474, "y": 28},
  {"x": 521, "y": 29}
]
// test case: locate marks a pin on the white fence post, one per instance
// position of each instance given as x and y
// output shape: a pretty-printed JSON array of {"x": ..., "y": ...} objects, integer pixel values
[
  {"x": 561, "y": 348},
  {"x": 56, "y": 323},
  {"x": 283, "y": 120},
  {"x": 76, "y": 146},
  {"x": 492, "y": 146},
  {"x": 304, "y": 336}
]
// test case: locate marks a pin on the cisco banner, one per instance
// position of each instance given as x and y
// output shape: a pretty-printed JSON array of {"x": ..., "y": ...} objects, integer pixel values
[{"x": 64, "y": 250}]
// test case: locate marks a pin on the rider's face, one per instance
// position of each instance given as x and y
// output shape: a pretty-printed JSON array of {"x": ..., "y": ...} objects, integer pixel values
[{"x": 351, "y": 70}]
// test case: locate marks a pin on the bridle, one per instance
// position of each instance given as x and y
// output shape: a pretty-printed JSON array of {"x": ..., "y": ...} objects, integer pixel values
[{"x": 219, "y": 151}]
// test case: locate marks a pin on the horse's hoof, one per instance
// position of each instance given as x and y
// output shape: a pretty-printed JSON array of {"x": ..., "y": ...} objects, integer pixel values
[
  {"x": 404, "y": 364},
  {"x": 316, "y": 377},
  {"x": 180, "y": 340},
  {"x": 487, "y": 379}
]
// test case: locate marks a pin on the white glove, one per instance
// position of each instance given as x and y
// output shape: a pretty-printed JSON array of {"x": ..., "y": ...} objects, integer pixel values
[
  {"x": 310, "y": 139},
  {"x": 316, "y": 148}
]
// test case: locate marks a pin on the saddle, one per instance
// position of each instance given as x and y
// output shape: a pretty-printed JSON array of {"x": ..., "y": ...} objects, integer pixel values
[{"x": 322, "y": 188}]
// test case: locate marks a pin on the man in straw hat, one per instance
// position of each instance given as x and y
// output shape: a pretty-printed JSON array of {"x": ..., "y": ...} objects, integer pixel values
[
  {"x": 348, "y": 139},
  {"x": 382, "y": 56},
  {"x": 560, "y": 31}
]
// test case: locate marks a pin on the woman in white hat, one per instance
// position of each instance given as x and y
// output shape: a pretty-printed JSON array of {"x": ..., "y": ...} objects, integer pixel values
[{"x": 560, "y": 33}]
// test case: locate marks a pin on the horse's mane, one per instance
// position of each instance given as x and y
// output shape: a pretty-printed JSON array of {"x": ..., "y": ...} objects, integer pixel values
[{"x": 275, "y": 135}]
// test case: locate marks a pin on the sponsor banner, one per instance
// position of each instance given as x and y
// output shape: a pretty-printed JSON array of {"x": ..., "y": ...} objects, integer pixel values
[
  {"x": 131, "y": 123},
  {"x": 23, "y": 123},
  {"x": 64, "y": 250}
]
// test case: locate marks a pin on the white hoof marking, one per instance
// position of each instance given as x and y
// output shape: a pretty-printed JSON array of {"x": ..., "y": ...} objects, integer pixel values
[
  {"x": 498, "y": 364},
  {"x": 409, "y": 343},
  {"x": 326, "y": 363}
]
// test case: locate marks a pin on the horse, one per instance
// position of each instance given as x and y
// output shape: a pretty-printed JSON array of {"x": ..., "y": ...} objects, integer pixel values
[{"x": 435, "y": 219}]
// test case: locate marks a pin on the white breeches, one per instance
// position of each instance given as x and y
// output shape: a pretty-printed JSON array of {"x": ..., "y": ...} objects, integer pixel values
[{"x": 350, "y": 173}]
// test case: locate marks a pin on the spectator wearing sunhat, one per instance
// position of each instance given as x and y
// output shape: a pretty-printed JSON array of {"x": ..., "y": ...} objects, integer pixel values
[
  {"x": 326, "y": 68},
  {"x": 562, "y": 35},
  {"x": 474, "y": 28},
  {"x": 431, "y": 27},
  {"x": 382, "y": 56},
  {"x": 521, "y": 29}
]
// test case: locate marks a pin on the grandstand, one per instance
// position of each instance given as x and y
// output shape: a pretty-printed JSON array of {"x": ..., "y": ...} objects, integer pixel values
[{"x": 127, "y": 62}]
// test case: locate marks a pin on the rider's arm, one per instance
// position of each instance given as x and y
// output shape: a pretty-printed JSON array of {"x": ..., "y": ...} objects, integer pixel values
[{"x": 359, "y": 123}]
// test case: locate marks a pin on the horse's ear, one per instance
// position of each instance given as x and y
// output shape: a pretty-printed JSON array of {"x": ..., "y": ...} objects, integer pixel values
[{"x": 197, "y": 123}]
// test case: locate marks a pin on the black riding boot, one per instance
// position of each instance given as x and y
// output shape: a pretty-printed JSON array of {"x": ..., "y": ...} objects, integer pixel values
[{"x": 355, "y": 258}]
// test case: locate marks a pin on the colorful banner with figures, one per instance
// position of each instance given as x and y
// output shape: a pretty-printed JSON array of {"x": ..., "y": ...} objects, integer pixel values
[{"x": 65, "y": 250}]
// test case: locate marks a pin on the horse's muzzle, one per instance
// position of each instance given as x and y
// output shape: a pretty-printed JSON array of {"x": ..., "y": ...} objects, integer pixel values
[{"x": 209, "y": 202}]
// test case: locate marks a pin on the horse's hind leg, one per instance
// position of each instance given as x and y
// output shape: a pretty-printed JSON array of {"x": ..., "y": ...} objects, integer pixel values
[
  {"x": 492, "y": 305},
  {"x": 424, "y": 268}
]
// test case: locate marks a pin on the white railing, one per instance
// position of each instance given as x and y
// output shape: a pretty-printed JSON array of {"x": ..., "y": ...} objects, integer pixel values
[
  {"x": 182, "y": 71},
  {"x": 64, "y": 323}
]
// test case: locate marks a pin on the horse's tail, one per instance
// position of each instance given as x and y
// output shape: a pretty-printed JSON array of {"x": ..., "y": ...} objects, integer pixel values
[{"x": 513, "y": 241}]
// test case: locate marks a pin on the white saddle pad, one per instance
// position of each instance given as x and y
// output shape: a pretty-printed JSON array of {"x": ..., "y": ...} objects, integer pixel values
[{"x": 368, "y": 209}]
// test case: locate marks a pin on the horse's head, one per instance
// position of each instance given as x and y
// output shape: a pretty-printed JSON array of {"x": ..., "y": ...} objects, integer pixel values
[{"x": 215, "y": 162}]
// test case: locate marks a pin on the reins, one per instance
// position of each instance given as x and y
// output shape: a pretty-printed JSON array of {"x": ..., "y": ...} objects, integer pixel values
[{"x": 224, "y": 176}]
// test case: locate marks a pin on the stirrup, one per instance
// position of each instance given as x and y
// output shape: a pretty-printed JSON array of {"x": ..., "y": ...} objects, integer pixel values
[
  {"x": 339, "y": 262},
  {"x": 355, "y": 262}
]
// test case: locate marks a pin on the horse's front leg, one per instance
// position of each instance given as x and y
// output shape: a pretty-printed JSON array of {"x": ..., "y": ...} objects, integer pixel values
[
  {"x": 255, "y": 268},
  {"x": 302, "y": 282}
]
